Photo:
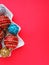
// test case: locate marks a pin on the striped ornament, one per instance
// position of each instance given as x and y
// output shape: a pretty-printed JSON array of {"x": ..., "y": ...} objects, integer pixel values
[
  {"x": 11, "y": 41},
  {"x": 1, "y": 35},
  {"x": 4, "y": 22}
]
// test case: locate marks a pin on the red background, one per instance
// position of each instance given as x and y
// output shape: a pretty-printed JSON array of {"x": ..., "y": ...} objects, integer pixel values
[{"x": 33, "y": 17}]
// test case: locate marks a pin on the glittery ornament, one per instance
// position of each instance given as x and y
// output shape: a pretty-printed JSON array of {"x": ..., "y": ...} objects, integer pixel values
[
  {"x": 13, "y": 29},
  {"x": 1, "y": 35},
  {"x": 2, "y": 10},
  {"x": 4, "y": 52},
  {"x": 4, "y": 22},
  {"x": 11, "y": 41},
  {"x": 0, "y": 45}
]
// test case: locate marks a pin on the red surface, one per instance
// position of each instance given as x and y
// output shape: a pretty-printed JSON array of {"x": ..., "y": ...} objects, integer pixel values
[{"x": 33, "y": 17}]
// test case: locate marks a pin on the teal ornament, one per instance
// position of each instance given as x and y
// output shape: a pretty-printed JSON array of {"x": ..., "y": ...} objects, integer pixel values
[{"x": 13, "y": 29}]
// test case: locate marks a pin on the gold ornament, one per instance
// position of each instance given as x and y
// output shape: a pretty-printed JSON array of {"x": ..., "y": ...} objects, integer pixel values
[{"x": 4, "y": 52}]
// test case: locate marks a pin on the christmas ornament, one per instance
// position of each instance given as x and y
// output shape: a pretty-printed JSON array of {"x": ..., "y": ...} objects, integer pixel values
[
  {"x": 2, "y": 10},
  {"x": 0, "y": 45},
  {"x": 4, "y": 22},
  {"x": 11, "y": 41},
  {"x": 13, "y": 29},
  {"x": 1, "y": 35},
  {"x": 4, "y": 52}
]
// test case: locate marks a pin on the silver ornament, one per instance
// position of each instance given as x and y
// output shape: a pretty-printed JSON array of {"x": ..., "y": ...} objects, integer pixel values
[{"x": 2, "y": 10}]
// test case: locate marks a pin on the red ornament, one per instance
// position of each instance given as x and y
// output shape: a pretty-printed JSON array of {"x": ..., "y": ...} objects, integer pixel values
[
  {"x": 1, "y": 35},
  {"x": 4, "y": 22},
  {"x": 0, "y": 45},
  {"x": 11, "y": 41}
]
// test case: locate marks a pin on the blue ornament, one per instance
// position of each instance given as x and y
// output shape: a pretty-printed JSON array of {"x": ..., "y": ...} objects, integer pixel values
[{"x": 13, "y": 29}]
